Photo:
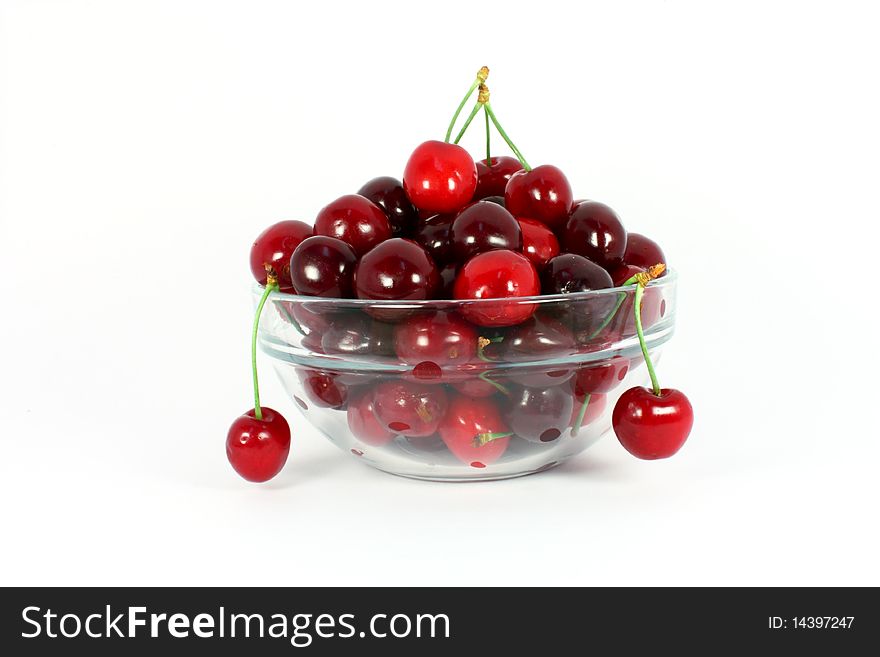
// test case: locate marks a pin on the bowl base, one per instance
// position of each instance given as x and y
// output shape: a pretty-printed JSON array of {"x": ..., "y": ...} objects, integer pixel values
[{"x": 453, "y": 479}]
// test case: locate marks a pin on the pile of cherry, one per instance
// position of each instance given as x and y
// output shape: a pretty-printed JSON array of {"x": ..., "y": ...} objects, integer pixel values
[{"x": 459, "y": 229}]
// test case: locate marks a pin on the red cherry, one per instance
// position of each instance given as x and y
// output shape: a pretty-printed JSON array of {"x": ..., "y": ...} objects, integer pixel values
[
  {"x": 622, "y": 272},
  {"x": 539, "y": 415},
  {"x": 498, "y": 274},
  {"x": 258, "y": 449},
  {"x": 492, "y": 180},
  {"x": 363, "y": 423},
  {"x": 542, "y": 193},
  {"x": 596, "y": 405},
  {"x": 433, "y": 235},
  {"x": 595, "y": 231},
  {"x": 355, "y": 220},
  {"x": 642, "y": 252},
  {"x": 474, "y": 386},
  {"x": 388, "y": 194},
  {"x": 357, "y": 335},
  {"x": 443, "y": 339},
  {"x": 464, "y": 423},
  {"x": 396, "y": 269},
  {"x": 448, "y": 272},
  {"x": 568, "y": 273},
  {"x": 652, "y": 426},
  {"x": 274, "y": 247},
  {"x": 409, "y": 408},
  {"x": 440, "y": 177},
  {"x": 539, "y": 242},
  {"x": 323, "y": 267},
  {"x": 481, "y": 227},
  {"x": 603, "y": 376},
  {"x": 323, "y": 388}
]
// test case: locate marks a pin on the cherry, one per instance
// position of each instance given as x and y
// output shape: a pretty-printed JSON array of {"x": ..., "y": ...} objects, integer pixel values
[
  {"x": 569, "y": 272},
  {"x": 257, "y": 449},
  {"x": 442, "y": 338},
  {"x": 538, "y": 338},
  {"x": 474, "y": 386},
  {"x": 595, "y": 231},
  {"x": 497, "y": 200},
  {"x": 440, "y": 177},
  {"x": 396, "y": 269},
  {"x": 409, "y": 408},
  {"x": 388, "y": 194},
  {"x": 355, "y": 220},
  {"x": 433, "y": 235},
  {"x": 363, "y": 423},
  {"x": 622, "y": 272},
  {"x": 542, "y": 193},
  {"x": 482, "y": 227},
  {"x": 539, "y": 415},
  {"x": 497, "y": 274},
  {"x": 492, "y": 177},
  {"x": 642, "y": 251},
  {"x": 358, "y": 335},
  {"x": 603, "y": 376},
  {"x": 323, "y": 267},
  {"x": 595, "y": 406},
  {"x": 273, "y": 248},
  {"x": 652, "y": 426},
  {"x": 447, "y": 272},
  {"x": 323, "y": 388},
  {"x": 539, "y": 242},
  {"x": 469, "y": 422}
]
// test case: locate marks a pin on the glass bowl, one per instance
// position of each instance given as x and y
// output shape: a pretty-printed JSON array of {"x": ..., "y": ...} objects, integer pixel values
[{"x": 437, "y": 390}]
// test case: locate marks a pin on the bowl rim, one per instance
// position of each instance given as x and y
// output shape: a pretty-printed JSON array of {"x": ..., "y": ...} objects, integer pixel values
[{"x": 668, "y": 280}]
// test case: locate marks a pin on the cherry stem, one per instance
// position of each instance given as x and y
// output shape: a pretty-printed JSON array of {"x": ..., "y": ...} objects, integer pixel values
[
  {"x": 290, "y": 318},
  {"x": 488, "y": 133},
  {"x": 519, "y": 156},
  {"x": 580, "y": 417},
  {"x": 652, "y": 273},
  {"x": 271, "y": 286},
  {"x": 467, "y": 123},
  {"x": 482, "y": 74},
  {"x": 492, "y": 382},
  {"x": 482, "y": 343},
  {"x": 640, "y": 291},
  {"x": 482, "y": 438}
]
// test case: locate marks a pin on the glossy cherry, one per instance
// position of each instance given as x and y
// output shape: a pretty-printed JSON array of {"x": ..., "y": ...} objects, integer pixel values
[
  {"x": 440, "y": 177},
  {"x": 603, "y": 376},
  {"x": 642, "y": 251},
  {"x": 258, "y": 449},
  {"x": 441, "y": 338},
  {"x": 481, "y": 227},
  {"x": 538, "y": 338},
  {"x": 492, "y": 179},
  {"x": 595, "y": 231},
  {"x": 622, "y": 272},
  {"x": 323, "y": 267},
  {"x": 498, "y": 274},
  {"x": 273, "y": 248},
  {"x": 323, "y": 389},
  {"x": 447, "y": 272},
  {"x": 409, "y": 408},
  {"x": 357, "y": 334},
  {"x": 355, "y": 220},
  {"x": 543, "y": 194},
  {"x": 397, "y": 269},
  {"x": 569, "y": 272},
  {"x": 466, "y": 422},
  {"x": 388, "y": 194},
  {"x": 539, "y": 415},
  {"x": 652, "y": 426},
  {"x": 363, "y": 423},
  {"x": 539, "y": 242},
  {"x": 433, "y": 235}
]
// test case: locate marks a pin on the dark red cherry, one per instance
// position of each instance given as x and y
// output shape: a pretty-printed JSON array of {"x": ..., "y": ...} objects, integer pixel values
[
  {"x": 595, "y": 231},
  {"x": 492, "y": 179},
  {"x": 409, "y": 408},
  {"x": 363, "y": 423},
  {"x": 355, "y": 220},
  {"x": 622, "y": 272},
  {"x": 569, "y": 272},
  {"x": 595, "y": 406},
  {"x": 497, "y": 275},
  {"x": 440, "y": 177},
  {"x": 323, "y": 388},
  {"x": 652, "y": 426},
  {"x": 357, "y": 334},
  {"x": 433, "y": 235},
  {"x": 274, "y": 247},
  {"x": 397, "y": 269},
  {"x": 601, "y": 376},
  {"x": 542, "y": 193},
  {"x": 642, "y": 252},
  {"x": 447, "y": 272},
  {"x": 466, "y": 421},
  {"x": 258, "y": 449},
  {"x": 388, "y": 194},
  {"x": 482, "y": 227},
  {"x": 538, "y": 338},
  {"x": 441, "y": 338},
  {"x": 323, "y": 267},
  {"x": 497, "y": 200},
  {"x": 539, "y": 242},
  {"x": 539, "y": 415}
]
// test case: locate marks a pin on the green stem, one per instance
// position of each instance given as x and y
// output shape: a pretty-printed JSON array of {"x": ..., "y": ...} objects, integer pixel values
[
  {"x": 503, "y": 134},
  {"x": 620, "y": 299},
  {"x": 640, "y": 291},
  {"x": 492, "y": 382},
  {"x": 289, "y": 317},
  {"x": 270, "y": 287},
  {"x": 467, "y": 123},
  {"x": 461, "y": 107},
  {"x": 482, "y": 438},
  {"x": 581, "y": 415},
  {"x": 488, "y": 134}
]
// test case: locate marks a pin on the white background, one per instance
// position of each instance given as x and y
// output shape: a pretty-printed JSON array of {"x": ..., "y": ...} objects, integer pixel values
[{"x": 143, "y": 145}]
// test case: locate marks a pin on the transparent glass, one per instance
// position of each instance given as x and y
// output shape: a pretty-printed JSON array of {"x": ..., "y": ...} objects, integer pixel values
[{"x": 420, "y": 389}]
